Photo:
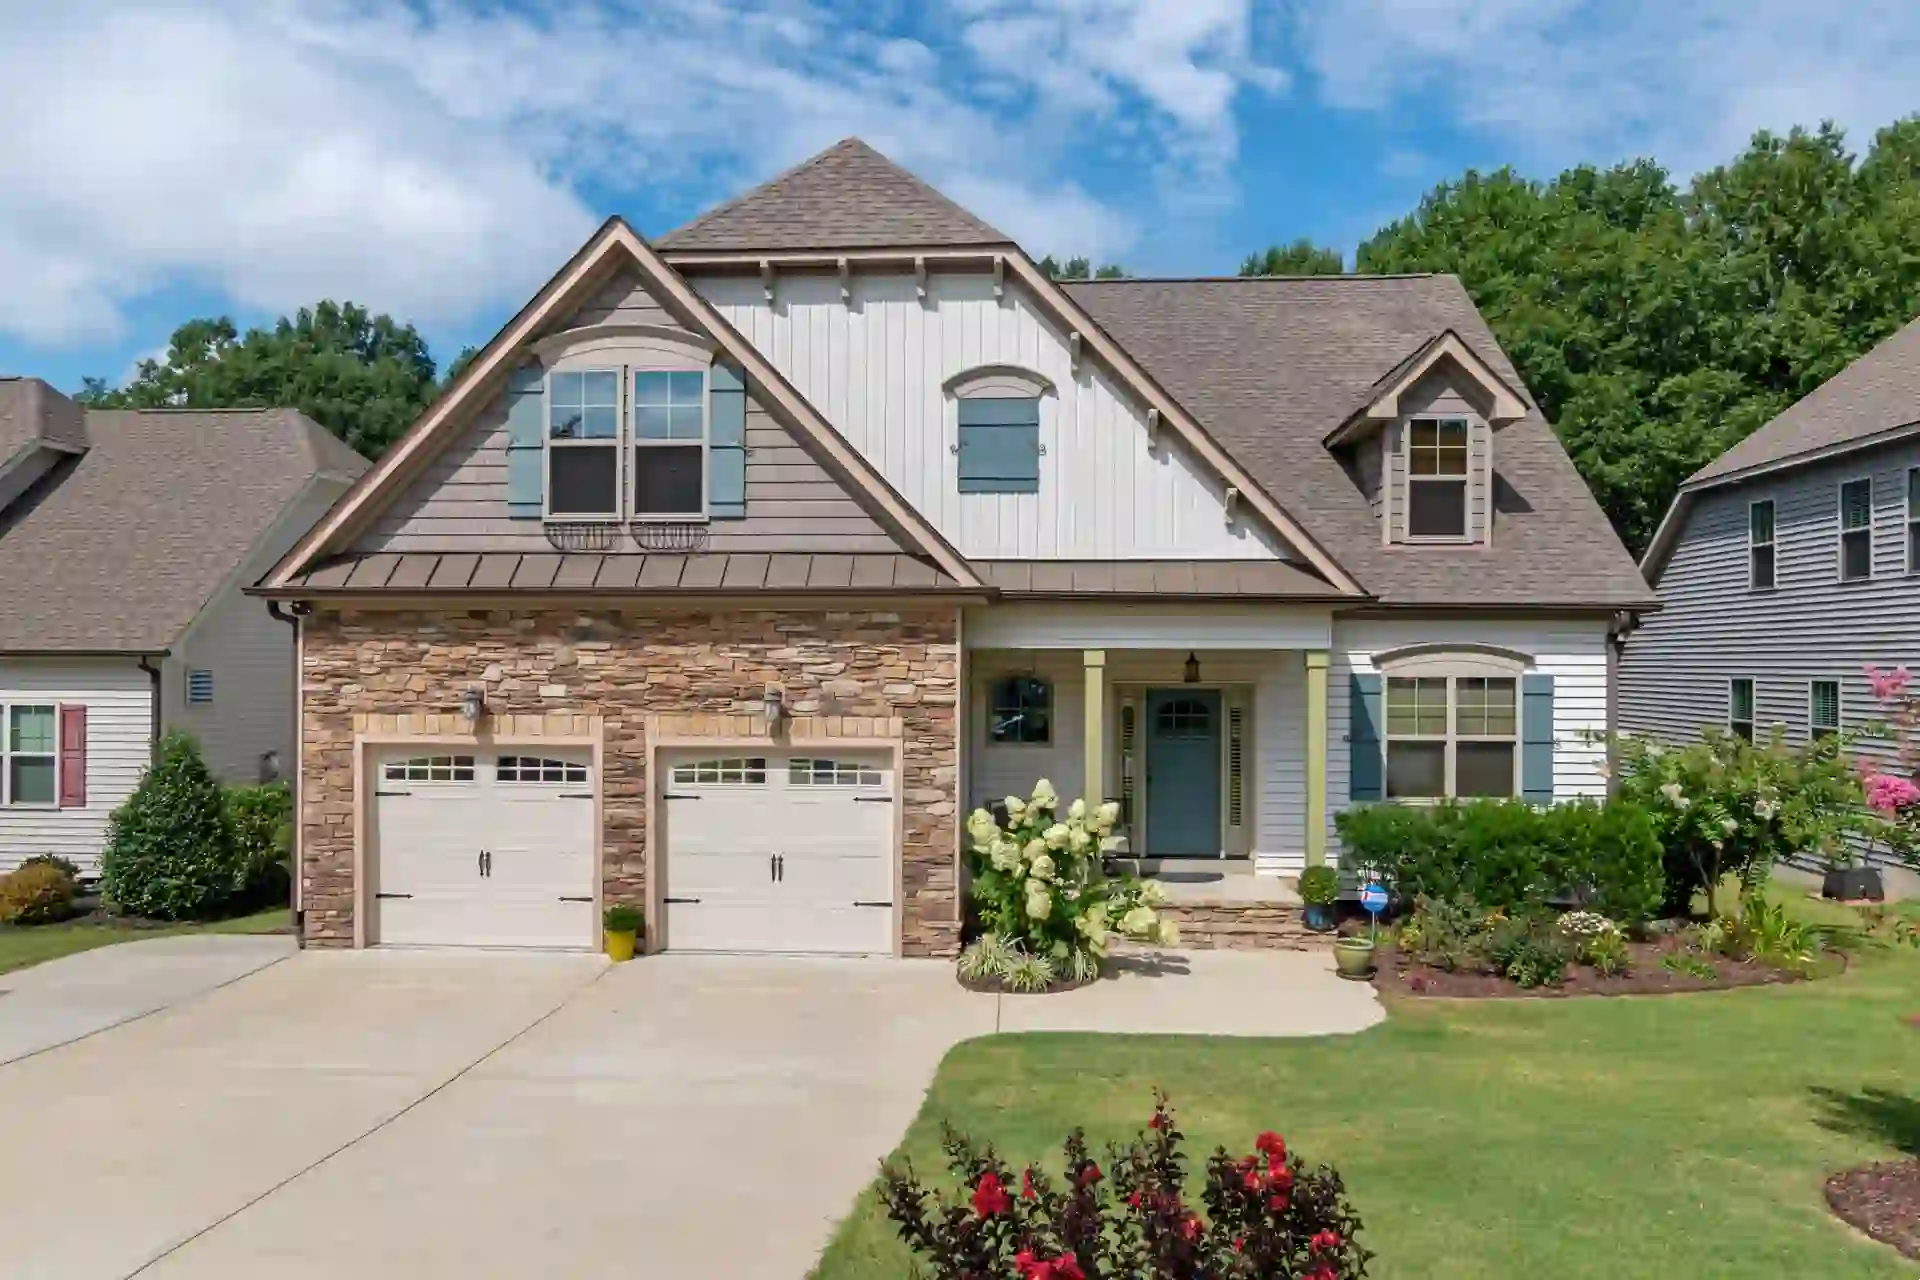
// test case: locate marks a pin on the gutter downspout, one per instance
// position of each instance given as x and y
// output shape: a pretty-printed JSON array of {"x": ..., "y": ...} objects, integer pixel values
[
  {"x": 1624, "y": 624},
  {"x": 153, "y": 713},
  {"x": 291, "y": 615}
]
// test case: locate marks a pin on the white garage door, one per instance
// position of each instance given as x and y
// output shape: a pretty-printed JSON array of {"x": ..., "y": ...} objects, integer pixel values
[
  {"x": 779, "y": 852},
  {"x": 483, "y": 849}
]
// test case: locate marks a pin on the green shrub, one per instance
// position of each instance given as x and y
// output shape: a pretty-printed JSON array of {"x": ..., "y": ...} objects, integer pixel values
[
  {"x": 1447, "y": 933},
  {"x": 35, "y": 893},
  {"x": 261, "y": 820},
  {"x": 68, "y": 865},
  {"x": 1512, "y": 855},
  {"x": 170, "y": 852},
  {"x": 1724, "y": 806},
  {"x": 1319, "y": 886},
  {"x": 624, "y": 919}
]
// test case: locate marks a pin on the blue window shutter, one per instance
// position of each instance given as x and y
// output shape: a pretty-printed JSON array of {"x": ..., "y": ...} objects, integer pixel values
[
  {"x": 1365, "y": 764},
  {"x": 1536, "y": 738},
  {"x": 726, "y": 443},
  {"x": 526, "y": 437},
  {"x": 1000, "y": 445}
]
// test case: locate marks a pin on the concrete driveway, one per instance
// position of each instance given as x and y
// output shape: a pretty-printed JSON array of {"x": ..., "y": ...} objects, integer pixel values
[{"x": 442, "y": 1114}]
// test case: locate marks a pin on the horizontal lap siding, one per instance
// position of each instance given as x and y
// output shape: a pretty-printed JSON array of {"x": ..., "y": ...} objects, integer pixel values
[
  {"x": 1280, "y": 779},
  {"x": 460, "y": 502},
  {"x": 1711, "y": 627},
  {"x": 118, "y": 698},
  {"x": 876, "y": 368},
  {"x": 1572, "y": 651}
]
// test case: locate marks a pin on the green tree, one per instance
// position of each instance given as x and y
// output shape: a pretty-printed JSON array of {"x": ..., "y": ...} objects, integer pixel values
[
  {"x": 363, "y": 377},
  {"x": 1659, "y": 326},
  {"x": 1081, "y": 269},
  {"x": 170, "y": 849},
  {"x": 1301, "y": 258}
]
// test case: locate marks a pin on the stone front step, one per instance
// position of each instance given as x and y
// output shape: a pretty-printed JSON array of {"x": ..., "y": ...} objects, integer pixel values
[{"x": 1243, "y": 926}]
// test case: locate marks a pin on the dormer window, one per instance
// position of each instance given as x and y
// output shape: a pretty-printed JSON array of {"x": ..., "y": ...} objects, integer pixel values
[
  {"x": 669, "y": 444},
  {"x": 1437, "y": 478}
]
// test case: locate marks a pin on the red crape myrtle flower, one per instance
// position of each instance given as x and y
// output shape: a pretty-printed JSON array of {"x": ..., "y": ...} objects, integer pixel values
[
  {"x": 1324, "y": 1241},
  {"x": 1271, "y": 1145},
  {"x": 990, "y": 1197},
  {"x": 1026, "y": 1184}
]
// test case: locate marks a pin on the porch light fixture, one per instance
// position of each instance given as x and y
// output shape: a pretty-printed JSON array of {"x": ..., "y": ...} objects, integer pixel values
[
  {"x": 473, "y": 704},
  {"x": 1192, "y": 669},
  {"x": 774, "y": 705}
]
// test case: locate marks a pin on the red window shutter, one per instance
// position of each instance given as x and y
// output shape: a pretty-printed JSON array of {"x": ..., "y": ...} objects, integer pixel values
[{"x": 73, "y": 757}]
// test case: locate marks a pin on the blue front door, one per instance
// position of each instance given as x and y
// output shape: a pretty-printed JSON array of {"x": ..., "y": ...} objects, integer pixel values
[{"x": 1183, "y": 774}]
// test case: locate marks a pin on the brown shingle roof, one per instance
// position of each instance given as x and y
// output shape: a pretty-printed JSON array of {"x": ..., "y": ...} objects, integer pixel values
[
  {"x": 1270, "y": 365},
  {"x": 847, "y": 197},
  {"x": 117, "y": 549},
  {"x": 1878, "y": 392}
]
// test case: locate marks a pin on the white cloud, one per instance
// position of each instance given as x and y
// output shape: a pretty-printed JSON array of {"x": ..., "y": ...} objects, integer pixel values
[
  {"x": 1601, "y": 80},
  {"x": 438, "y": 159}
]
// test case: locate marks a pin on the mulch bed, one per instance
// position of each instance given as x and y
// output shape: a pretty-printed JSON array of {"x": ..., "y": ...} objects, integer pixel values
[
  {"x": 1397, "y": 974},
  {"x": 1882, "y": 1200},
  {"x": 994, "y": 987}
]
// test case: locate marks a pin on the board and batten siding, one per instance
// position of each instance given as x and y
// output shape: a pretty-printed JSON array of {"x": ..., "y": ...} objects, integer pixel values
[
  {"x": 118, "y": 697},
  {"x": 1573, "y": 651},
  {"x": 459, "y": 503},
  {"x": 876, "y": 368},
  {"x": 1712, "y": 627}
]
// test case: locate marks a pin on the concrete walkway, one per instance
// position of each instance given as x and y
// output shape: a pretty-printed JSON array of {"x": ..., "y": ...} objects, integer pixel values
[
  {"x": 450, "y": 1114},
  {"x": 62, "y": 1000}
]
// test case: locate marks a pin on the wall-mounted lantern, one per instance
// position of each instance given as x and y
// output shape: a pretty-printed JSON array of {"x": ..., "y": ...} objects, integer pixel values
[
  {"x": 1191, "y": 672},
  {"x": 473, "y": 704},
  {"x": 774, "y": 705}
]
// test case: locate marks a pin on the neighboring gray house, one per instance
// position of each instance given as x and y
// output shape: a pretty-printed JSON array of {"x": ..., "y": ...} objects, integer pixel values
[
  {"x": 1788, "y": 564},
  {"x": 126, "y": 538}
]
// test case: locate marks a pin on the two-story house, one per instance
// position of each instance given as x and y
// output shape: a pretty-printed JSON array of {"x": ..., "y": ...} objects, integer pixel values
[
  {"x": 742, "y": 563},
  {"x": 127, "y": 541},
  {"x": 1787, "y": 565}
]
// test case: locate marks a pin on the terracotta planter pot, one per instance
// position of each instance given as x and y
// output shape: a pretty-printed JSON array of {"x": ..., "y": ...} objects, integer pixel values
[{"x": 1353, "y": 957}]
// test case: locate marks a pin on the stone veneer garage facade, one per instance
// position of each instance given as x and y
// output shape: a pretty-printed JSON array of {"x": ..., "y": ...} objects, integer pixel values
[{"x": 890, "y": 676}]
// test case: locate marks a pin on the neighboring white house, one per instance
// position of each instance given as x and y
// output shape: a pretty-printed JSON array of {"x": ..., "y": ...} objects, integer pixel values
[{"x": 126, "y": 538}]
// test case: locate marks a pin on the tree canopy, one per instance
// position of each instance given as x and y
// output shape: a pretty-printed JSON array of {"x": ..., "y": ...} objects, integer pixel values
[
  {"x": 1657, "y": 325},
  {"x": 1081, "y": 269},
  {"x": 363, "y": 377},
  {"x": 1301, "y": 258}
]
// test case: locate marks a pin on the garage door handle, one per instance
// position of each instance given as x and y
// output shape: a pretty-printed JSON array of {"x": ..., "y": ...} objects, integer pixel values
[
  {"x": 393, "y": 793},
  {"x": 576, "y": 795},
  {"x": 565, "y": 898},
  {"x": 393, "y": 895},
  {"x": 873, "y": 904},
  {"x": 671, "y": 900},
  {"x": 678, "y": 795},
  {"x": 873, "y": 799}
]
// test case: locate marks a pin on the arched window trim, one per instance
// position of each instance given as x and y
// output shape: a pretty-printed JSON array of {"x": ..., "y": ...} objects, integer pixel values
[
  {"x": 1452, "y": 660},
  {"x": 998, "y": 380}
]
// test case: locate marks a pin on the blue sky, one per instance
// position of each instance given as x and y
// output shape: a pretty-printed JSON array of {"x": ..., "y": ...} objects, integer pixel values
[{"x": 439, "y": 160}]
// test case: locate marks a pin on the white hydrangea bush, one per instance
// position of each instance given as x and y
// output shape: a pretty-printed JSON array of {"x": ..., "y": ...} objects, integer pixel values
[{"x": 1048, "y": 906}]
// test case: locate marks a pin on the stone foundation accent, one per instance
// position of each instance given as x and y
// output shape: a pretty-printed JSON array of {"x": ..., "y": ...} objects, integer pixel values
[
  {"x": 1244, "y": 926},
  {"x": 878, "y": 674}
]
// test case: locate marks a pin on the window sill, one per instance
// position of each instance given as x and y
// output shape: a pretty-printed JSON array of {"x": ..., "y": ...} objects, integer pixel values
[
  {"x": 1434, "y": 540},
  {"x": 696, "y": 518}
]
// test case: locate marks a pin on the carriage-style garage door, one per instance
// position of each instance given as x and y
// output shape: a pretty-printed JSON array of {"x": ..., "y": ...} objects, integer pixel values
[
  {"x": 779, "y": 852},
  {"x": 490, "y": 848}
]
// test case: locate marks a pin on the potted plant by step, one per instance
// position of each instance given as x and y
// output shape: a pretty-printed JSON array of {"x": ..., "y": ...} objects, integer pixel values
[
  {"x": 1319, "y": 890},
  {"x": 1353, "y": 956},
  {"x": 624, "y": 926}
]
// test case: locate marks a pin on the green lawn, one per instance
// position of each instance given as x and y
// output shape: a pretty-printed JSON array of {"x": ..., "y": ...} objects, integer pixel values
[
  {"x": 1655, "y": 1136},
  {"x": 20, "y": 947}
]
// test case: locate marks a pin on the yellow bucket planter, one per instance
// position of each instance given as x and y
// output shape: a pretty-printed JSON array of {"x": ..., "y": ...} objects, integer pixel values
[{"x": 622, "y": 927}]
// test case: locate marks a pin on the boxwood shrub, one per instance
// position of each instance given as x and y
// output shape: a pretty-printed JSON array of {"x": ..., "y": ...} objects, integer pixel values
[
  {"x": 170, "y": 850},
  {"x": 1510, "y": 854}
]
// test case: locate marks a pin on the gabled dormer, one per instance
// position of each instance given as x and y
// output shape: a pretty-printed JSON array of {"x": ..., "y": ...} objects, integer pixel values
[
  {"x": 1421, "y": 445},
  {"x": 38, "y": 428}
]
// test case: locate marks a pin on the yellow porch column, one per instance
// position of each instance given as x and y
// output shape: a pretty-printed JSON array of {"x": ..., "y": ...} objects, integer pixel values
[
  {"x": 1094, "y": 785},
  {"x": 1316, "y": 758}
]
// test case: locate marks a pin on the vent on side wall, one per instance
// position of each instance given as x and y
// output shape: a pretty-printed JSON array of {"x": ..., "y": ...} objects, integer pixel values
[
  {"x": 1236, "y": 755},
  {"x": 199, "y": 686}
]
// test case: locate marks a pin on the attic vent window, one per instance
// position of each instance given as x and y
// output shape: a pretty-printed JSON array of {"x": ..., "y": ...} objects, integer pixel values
[
  {"x": 199, "y": 686},
  {"x": 1437, "y": 478}
]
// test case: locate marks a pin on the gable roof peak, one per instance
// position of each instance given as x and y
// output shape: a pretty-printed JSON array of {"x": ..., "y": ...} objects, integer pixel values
[{"x": 848, "y": 196}]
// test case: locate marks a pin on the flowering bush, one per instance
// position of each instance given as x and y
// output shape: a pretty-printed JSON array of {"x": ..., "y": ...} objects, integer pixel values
[
  {"x": 1049, "y": 907},
  {"x": 1266, "y": 1215},
  {"x": 1893, "y": 797},
  {"x": 1724, "y": 806}
]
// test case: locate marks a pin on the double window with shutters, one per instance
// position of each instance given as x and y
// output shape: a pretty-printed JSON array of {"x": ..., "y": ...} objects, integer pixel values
[
  {"x": 43, "y": 755},
  {"x": 1441, "y": 726}
]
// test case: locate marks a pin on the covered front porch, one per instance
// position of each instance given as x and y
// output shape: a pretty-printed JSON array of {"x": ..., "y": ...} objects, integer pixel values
[{"x": 1208, "y": 724}]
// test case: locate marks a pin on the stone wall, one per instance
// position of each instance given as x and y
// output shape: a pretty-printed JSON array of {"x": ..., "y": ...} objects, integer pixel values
[{"x": 859, "y": 674}]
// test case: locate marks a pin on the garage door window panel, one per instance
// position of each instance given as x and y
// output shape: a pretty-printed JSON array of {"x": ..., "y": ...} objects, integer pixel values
[
  {"x": 737, "y": 770},
  {"x": 805, "y": 771},
  {"x": 538, "y": 769},
  {"x": 431, "y": 769}
]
